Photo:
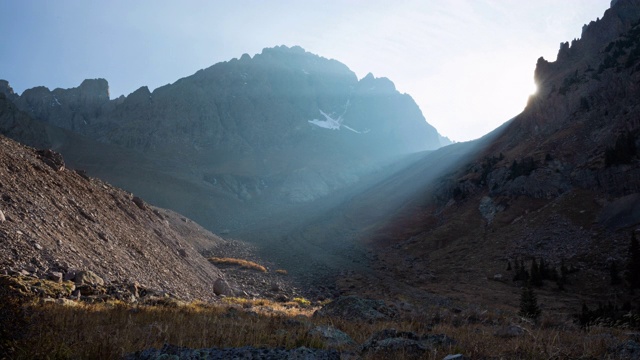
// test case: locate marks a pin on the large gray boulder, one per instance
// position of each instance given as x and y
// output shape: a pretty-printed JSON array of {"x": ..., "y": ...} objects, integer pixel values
[
  {"x": 222, "y": 288},
  {"x": 88, "y": 278}
]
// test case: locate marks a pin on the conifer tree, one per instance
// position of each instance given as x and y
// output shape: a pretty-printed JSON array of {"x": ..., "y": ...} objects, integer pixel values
[
  {"x": 536, "y": 278},
  {"x": 529, "y": 304}
]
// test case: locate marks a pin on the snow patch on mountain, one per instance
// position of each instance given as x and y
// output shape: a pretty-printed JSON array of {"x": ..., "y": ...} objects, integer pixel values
[{"x": 333, "y": 124}]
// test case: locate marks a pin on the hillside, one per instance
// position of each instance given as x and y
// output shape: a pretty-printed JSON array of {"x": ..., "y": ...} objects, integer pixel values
[
  {"x": 59, "y": 222},
  {"x": 559, "y": 182}
]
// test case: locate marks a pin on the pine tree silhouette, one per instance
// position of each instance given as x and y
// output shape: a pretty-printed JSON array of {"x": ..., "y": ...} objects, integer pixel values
[
  {"x": 529, "y": 304},
  {"x": 536, "y": 277}
]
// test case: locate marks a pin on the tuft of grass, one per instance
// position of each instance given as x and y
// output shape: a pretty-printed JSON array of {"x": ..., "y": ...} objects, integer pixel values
[
  {"x": 282, "y": 272},
  {"x": 246, "y": 264},
  {"x": 302, "y": 301}
]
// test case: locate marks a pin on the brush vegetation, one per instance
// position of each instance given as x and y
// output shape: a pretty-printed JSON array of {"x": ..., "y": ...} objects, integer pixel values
[{"x": 246, "y": 264}]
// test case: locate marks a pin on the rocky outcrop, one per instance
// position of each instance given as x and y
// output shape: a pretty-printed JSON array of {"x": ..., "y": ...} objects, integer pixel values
[
  {"x": 7, "y": 90},
  {"x": 71, "y": 109},
  {"x": 51, "y": 158},
  {"x": 355, "y": 308}
]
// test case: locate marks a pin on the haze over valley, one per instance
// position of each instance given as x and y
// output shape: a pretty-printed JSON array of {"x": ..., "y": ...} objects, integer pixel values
[{"x": 285, "y": 205}]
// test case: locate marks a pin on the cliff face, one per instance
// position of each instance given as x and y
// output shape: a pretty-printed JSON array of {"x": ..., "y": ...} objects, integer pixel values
[
  {"x": 587, "y": 102},
  {"x": 69, "y": 109}
]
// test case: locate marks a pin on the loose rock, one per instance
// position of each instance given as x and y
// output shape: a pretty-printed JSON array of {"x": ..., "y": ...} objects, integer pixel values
[
  {"x": 222, "y": 287},
  {"x": 139, "y": 202},
  {"x": 88, "y": 278},
  {"x": 332, "y": 336}
]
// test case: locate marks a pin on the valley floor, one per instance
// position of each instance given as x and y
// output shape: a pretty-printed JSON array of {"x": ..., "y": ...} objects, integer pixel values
[{"x": 38, "y": 326}]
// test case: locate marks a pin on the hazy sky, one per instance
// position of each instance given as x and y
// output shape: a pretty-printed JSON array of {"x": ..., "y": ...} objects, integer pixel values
[{"x": 467, "y": 63}]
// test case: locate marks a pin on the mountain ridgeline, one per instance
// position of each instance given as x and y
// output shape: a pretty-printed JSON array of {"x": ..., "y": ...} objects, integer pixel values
[
  {"x": 284, "y": 127},
  {"x": 243, "y": 105}
]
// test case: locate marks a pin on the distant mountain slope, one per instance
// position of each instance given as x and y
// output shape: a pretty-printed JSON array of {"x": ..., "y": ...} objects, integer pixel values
[{"x": 240, "y": 139}]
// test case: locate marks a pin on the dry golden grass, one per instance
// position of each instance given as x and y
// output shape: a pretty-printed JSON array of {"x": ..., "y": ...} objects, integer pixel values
[
  {"x": 282, "y": 272},
  {"x": 267, "y": 307},
  {"x": 111, "y": 330},
  {"x": 246, "y": 264}
]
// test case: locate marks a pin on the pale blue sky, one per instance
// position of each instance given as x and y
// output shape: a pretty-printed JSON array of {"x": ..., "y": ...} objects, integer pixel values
[{"x": 467, "y": 63}]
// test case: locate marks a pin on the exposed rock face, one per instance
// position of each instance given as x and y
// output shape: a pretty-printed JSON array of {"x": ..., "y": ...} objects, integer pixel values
[
  {"x": 71, "y": 109},
  {"x": 7, "y": 90},
  {"x": 250, "y": 104},
  {"x": 285, "y": 127}
]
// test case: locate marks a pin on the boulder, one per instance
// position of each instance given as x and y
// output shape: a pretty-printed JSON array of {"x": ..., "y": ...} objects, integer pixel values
[
  {"x": 51, "y": 158},
  {"x": 139, "y": 203},
  {"x": 332, "y": 337},
  {"x": 356, "y": 308},
  {"x": 88, "y": 278},
  {"x": 55, "y": 276},
  {"x": 222, "y": 288},
  {"x": 2, "y": 218}
]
